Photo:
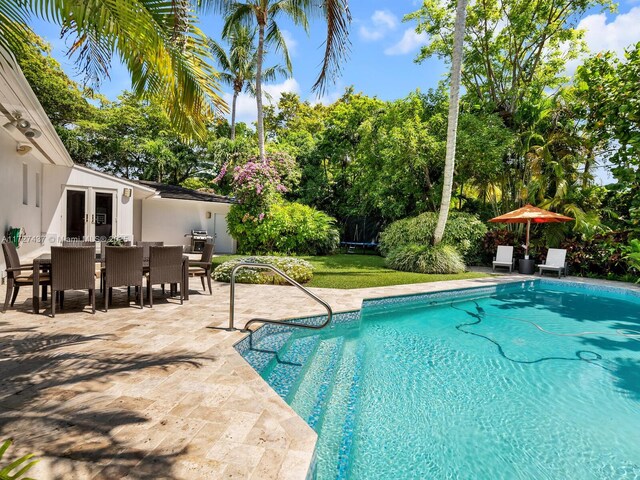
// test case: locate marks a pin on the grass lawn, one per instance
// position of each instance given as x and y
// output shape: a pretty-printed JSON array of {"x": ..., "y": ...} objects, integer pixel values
[{"x": 361, "y": 271}]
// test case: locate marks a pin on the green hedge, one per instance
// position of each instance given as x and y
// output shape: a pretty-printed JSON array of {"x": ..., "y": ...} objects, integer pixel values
[
  {"x": 300, "y": 270},
  {"x": 464, "y": 231},
  {"x": 426, "y": 259},
  {"x": 288, "y": 228}
]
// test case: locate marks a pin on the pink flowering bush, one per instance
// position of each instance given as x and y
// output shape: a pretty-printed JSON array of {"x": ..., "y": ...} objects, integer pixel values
[{"x": 262, "y": 222}]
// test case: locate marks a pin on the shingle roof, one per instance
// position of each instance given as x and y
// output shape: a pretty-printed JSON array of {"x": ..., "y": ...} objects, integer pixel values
[{"x": 181, "y": 193}]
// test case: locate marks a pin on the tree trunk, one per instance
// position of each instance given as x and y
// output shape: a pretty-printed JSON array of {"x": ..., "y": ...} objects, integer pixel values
[
  {"x": 259, "y": 90},
  {"x": 452, "y": 124},
  {"x": 233, "y": 114}
]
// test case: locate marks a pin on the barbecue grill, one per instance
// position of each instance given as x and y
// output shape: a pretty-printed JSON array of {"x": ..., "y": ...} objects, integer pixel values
[{"x": 198, "y": 239}]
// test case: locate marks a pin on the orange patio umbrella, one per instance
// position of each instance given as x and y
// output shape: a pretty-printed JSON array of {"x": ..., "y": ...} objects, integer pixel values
[{"x": 529, "y": 214}]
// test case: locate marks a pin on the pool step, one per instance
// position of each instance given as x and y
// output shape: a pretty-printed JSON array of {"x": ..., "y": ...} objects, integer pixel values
[
  {"x": 338, "y": 413},
  {"x": 310, "y": 395},
  {"x": 287, "y": 367}
]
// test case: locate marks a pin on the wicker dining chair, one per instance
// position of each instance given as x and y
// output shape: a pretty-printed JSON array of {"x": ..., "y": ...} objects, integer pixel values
[
  {"x": 202, "y": 267},
  {"x": 15, "y": 277},
  {"x": 165, "y": 266},
  {"x": 122, "y": 268},
  {"x": 72, "y": 268},
  {"x": 145, "y": 246},
  {"x": 78, "y": 243}
]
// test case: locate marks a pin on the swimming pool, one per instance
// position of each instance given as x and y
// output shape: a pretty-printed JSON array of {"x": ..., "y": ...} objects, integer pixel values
[{"x": 531, "y": 380}]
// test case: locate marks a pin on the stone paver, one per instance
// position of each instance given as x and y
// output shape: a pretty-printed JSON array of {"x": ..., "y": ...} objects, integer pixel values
[{"x": 155, "y": 393}]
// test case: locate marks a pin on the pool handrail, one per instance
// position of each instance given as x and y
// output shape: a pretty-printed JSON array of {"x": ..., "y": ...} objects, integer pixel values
[{"x": 290, "y": 280}]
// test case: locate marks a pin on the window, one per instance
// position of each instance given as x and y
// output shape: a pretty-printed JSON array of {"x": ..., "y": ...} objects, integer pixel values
[
  {"x": 38, "y": 187},
  {"x": 25, "y": 184}
]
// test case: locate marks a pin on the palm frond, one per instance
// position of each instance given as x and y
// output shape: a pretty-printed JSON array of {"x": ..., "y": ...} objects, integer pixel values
[
  {"x": 336, "y": 45},
  {"x": 237, "y": 14},
  {"x": 275, "y": 37},
  {"x": 156, "y": 40},
  {"x": 271, "y": 74},
  {"x": 14, "y": 32}
]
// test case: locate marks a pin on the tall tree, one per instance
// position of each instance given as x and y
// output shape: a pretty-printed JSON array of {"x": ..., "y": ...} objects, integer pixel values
[
  {"x": 165, "y": 53},
  {"x": 239, "y": 65},
  {"x": 265, "y": 13},
  {"x": 452, "y": 122},
  {"x": 514, "y": 49}
]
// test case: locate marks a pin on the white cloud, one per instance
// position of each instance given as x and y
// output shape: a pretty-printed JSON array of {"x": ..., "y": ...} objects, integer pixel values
[
  {"x": 246, "y": 110},
  {"x": 328, "y": 98},
  {"x": 616, "y": 35},
  {"x": 292, "y": 43},
  {"x": 384, "y": 18},
  {"x": 409, "y": 42},
  {"x": 381, "y": 23}
]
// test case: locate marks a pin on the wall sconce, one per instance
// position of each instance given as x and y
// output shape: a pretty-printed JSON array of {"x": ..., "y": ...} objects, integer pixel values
[
  {"x": 208, "y": 215},
  {"x": 23, "y": 148},
  {"x": 126, "y": 193}
]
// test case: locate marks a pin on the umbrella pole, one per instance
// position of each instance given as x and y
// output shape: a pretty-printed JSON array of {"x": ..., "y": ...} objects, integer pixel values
[{"x": 526, "y": 250}]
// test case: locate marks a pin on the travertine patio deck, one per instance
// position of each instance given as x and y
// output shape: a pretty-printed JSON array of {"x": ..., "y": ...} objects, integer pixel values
[{"x": 153, "y": 393}]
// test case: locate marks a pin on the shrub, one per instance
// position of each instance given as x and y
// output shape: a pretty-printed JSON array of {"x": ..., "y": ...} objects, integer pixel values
[
  {"x": 464, "y": 231},
  {"x": 604, "y": 255},
  {"x": 426, "y": 259},
  {"x": 287, "y": 228},
  {"x": 298, "y": 269}
]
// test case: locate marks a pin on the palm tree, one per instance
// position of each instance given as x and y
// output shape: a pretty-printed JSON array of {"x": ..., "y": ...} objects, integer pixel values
[
  {"x": 264, "y": 14},
  {"x": 452, "y": 122},
  {"x": 158, "y": 42},
  {"x": 239, "y": 65}
]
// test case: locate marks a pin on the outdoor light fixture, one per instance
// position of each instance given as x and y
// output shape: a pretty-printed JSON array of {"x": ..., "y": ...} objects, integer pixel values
[
  {"x": 23, "y": 148},
  {"x": 32, "y": 133},
  {"x": 10, "y": 126},
  {"x": 22, "y": 125},
  {"x": 126, "y": 193}
]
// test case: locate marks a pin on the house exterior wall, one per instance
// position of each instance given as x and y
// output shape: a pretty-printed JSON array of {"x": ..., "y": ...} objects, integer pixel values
[
  {"x": 13, "y": 212},
  {"x": 168, "y": 220},
  {"x": 58, "y": 178}
]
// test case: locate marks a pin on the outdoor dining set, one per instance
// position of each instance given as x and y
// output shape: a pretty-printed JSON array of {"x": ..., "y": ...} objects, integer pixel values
[{"x": 76, "y": 265}]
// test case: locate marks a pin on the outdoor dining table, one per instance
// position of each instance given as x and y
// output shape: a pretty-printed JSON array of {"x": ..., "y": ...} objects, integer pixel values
[{"x": 44, "y": 260}]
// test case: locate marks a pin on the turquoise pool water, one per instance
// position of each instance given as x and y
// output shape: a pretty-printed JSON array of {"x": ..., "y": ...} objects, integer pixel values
[{"x": 539, "y": 380}]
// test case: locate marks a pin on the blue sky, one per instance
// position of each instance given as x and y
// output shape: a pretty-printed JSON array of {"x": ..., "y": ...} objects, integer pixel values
[{"x": 382, "y": 52}]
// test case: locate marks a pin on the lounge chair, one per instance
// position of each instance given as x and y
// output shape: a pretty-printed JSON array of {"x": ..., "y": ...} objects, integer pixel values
[
  {"x": 504, "y": 258},
  {"x": 555, "y": 262}
]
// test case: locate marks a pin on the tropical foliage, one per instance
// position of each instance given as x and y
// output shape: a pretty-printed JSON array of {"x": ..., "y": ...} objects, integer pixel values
[
  {"x": 158, "y": 42},
  {"x": 17, "y": 469},
  {"x": 438, "y": 259},
  {"x": 239, "y": 66},
  {"x": 298, "y": 269},
  {"x": 464, "y": 231}
]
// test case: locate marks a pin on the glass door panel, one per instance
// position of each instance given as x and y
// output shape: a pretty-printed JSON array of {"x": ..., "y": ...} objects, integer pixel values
[
  {"x": 76, "y": 214},
  {"x": 103, "y": 216}
]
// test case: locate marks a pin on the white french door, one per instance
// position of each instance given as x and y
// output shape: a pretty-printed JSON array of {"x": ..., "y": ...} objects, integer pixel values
[{"x": 90, "y": 213}]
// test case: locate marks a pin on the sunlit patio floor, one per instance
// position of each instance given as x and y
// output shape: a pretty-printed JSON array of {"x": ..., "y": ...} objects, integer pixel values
[{"x": 154, "y": 393}]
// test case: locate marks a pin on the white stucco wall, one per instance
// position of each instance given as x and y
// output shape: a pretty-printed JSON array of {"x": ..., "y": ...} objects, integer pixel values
[
  {"x": 168, "y": 220},
  {"x": 13, "y": 213}
]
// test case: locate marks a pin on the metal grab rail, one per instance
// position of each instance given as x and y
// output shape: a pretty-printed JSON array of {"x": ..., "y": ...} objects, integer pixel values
[{"x": 265, "y": 266}]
